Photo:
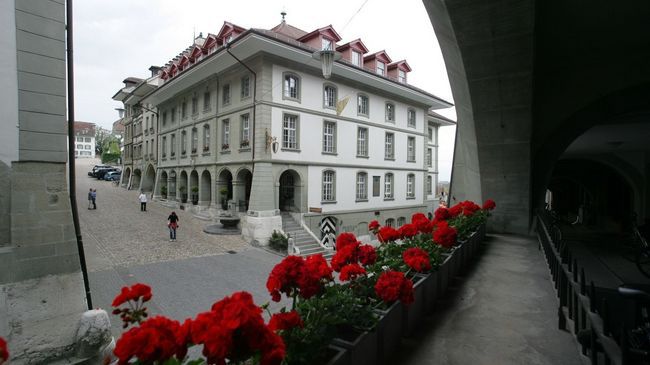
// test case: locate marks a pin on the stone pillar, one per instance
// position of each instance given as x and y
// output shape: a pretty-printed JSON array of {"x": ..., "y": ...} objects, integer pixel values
[{"x": 263, "y": 216}]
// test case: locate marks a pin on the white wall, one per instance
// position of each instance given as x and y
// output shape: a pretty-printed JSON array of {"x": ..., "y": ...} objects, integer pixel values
[{"x": 9, "y": 82}]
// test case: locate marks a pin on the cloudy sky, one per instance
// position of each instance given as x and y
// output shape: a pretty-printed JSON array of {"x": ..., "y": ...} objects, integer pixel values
[{"x": 120, "y": 38}]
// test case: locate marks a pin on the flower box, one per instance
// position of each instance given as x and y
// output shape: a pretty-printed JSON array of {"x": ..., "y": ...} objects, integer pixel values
[
  {"x": 430, "y": 286},
  {"x": 389, "y": 332},
  {"x": 444, "y": 275},
  {"x": 412, "y": 314},
  {"x": 339, "y": 356},
  {"x": 361, "y": 346}
]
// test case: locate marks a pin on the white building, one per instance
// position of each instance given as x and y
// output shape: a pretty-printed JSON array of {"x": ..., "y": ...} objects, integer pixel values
[
  {"x": 249, "y": 112},
  {"x": 84, "y": 146}
]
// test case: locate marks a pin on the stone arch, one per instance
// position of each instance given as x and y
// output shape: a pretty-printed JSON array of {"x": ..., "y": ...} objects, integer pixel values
[
  {"x": 149, "y": 179},
  {"x": 205, "y": 188},
  {"x": 183, "y": 186},
  {"x": 242, "y": 187},
  {"x": 194, "y": 187},
  {"x": 136, "y": 179},
  {"x": 224, "y": 184},
  {"x": 162, "y": 185},
  {"x": 290, "y": 190},
  {"x": 126, "y": 175}
]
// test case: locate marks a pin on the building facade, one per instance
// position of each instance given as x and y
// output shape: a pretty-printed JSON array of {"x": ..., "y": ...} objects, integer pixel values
[
  {"x": 248, "y": 122},
  {"x": 84, "y": 146}
]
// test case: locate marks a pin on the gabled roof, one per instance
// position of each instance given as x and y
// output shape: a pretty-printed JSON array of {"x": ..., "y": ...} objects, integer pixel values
[
  {"x": 196, "y": 51},
  {"x": 288, "y": 30},
  {"x": 381, "y": 55},
  {"x": 228, "y": 27},
  {"x": 355, "y": 44},
  {"x": 210, "y": 41},
  {"x": 329, "y": 30},
  {"x": 402, "y": 65}
]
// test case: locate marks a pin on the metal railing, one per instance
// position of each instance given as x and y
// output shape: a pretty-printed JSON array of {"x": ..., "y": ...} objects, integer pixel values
[{"x": 578, "y": 311}]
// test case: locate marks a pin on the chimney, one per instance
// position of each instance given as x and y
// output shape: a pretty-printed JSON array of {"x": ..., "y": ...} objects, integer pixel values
[{"x": 154, "y": 70}]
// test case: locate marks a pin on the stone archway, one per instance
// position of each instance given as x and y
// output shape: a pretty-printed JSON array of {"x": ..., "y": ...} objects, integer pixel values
[
  {"x": 162, "y": 186},
  {"x": 289, "y": 192},
  {"x": 126, "y": 175},
  {"x": 183, "y": 187},
  {"x": 136, "y": 179},
  {"x": 224, "y": 187},
  {"x": 149, "y": 179},
  {"x": 194, "y": 187},
  {"x": 171, "y": 186},
  {"x": 205, "y": 188},
  {"x": 242, "y": 188}
]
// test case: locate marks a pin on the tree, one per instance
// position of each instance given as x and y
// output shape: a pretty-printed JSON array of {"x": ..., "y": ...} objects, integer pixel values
[
  {"x": 100, "y": 137},
  {"x": 111, "y": 149}
]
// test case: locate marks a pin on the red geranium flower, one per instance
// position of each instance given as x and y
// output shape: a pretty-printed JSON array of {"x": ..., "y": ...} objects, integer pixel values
[
  {"x": 489, "y": 204},
  {"x": 393, "y": 285},
  {"x": 134, "y": 293},
  {"x": 315, "y": 272},
  {"x": 373, "y": 226},
  {"x": 293, "y": 274},
  {"x": 351, "y": 272},
  {"x": 408, "y": 230},
  {"x": 4, "y": 351},
  {"x": 344, "y": 239},
  {"x": 367, "y": 255},
  {"x": 417, "y": 259},
  {"x": 469, "y": 207},
  {"x": 421, "y": 222},
  {"x": 455, "y": 210},
  {"x": 285, "y": 321},
  {"x": 346, "y": 255},
  {"x": 387, "y": 234},
  {"x": 156, "y": 339},
  {"x": 442, "y": 214},
  {"x": 444, "y": 235}
]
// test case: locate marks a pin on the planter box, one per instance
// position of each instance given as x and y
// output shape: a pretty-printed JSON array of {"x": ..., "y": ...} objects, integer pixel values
[
  {"x": 430, "y": 291},
  {"x": 412, "y": 314},
  {"x": 340, "y": 356},
  {"x": 362, "y": 350},
  {"x": 389, "y": 332},
  {"x": 444, "y": 276}
]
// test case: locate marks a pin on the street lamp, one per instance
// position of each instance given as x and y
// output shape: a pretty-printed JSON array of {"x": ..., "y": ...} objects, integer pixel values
[{"x": 327, "y": 58}]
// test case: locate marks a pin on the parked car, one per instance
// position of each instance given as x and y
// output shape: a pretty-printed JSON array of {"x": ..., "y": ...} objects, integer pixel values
[
  {"x": 113, "y": 175},
  {"x": 97, "y": 167},
  {"x": 101, "y": 172}
]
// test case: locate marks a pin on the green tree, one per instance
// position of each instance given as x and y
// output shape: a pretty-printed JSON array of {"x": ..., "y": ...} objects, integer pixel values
[
  {"x": 101, "y": 135},
  {"x": 110, "y": 149}
]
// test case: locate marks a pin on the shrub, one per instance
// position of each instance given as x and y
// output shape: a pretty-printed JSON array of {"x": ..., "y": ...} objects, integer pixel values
[{"x": 278, "y": 241}]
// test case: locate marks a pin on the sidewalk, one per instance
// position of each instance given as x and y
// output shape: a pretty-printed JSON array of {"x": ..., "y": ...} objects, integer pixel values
[{"x": 504, "y": 311}]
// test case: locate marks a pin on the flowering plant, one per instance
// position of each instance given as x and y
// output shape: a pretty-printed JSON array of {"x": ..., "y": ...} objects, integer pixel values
[
  {"x": 393, "y": 285},
  {"x": 4, "y": 352},
  {"x": 135, "y": 296}
]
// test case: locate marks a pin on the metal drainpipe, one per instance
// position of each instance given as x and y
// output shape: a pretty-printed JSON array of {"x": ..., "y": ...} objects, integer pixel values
[
  {"x": 71, "y": 159},
  {"x": 254, "y": 106}
]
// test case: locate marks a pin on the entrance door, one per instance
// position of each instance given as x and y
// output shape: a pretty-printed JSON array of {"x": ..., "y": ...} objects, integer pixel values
[{"x": 287, "y": 191}]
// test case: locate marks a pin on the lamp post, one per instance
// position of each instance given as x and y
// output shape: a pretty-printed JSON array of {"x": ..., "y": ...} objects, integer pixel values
[{"x": 327, "y": 58}]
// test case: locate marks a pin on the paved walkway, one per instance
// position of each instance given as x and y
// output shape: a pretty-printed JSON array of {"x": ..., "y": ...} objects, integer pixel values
[{"x": 504, "y": 311}]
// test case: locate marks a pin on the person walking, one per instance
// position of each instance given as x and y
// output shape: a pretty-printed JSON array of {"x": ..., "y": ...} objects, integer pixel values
[
  {"x": 90, "y": 199},
  {"x": 143, "y": 201},
  {"x": 94, "y": 198},
  {"x": 173, "y": 225}
]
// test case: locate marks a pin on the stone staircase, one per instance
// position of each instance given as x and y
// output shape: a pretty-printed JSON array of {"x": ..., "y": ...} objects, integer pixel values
[{"x": 302, "y": 239}]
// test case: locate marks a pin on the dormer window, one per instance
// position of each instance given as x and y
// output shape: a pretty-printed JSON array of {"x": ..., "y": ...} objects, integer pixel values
[
  {"x": 229, "y": 38},
  {"x": 326, "y": 44},
  {"x": 356, "y": 58},
  {"x": 401, "y": 76},
  {"x": 381, "y": 68}
]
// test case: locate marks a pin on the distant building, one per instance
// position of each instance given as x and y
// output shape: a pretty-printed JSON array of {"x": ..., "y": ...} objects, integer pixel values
[{"x": 85, "y": 143}]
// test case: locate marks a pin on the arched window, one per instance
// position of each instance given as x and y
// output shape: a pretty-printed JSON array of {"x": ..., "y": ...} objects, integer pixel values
[
  {"x": 363, "y": 105},
  {"x": 362, "y": 186},
  {"x": 329, "y": 186},
  {"x": 291, "y": 86},
  {"x": 390, "y": 112},
  {"x": 390, "y": 222},
  {"x": 401, "y": 221}
]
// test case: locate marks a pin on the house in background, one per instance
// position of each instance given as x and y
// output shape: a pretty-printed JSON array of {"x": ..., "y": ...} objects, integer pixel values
[{"x": 84, "y": 146}]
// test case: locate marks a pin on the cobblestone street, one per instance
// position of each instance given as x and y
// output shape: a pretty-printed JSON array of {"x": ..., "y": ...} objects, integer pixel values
[{"x": 124, "y": 245}]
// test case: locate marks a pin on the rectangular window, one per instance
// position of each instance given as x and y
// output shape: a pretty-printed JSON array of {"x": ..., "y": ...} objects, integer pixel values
[
  {"x": 195, "y": 105},
  {"x": 381, "y": 68},
  {"x": 362, "y": 142},
  {"x": 329, "y": 137},
  {"x": 290, "y": 132},
  {"x": 206, "y": 138},
  {"x": 389, "y": 148},
  {"x": 291, "y": 86},
  {"x": 225, "y": 134},
  {"x": 80, "y": 147},
  {"x": 225, "y": 94},
  {"x": 164, "y": 118},
  {"x": 87, "y": 147},
  {"x": 362, "y": 105},
  {"x": 80, "y": 139},
  {"x": 206, "y": 100},
  {"x": 184, "y": 110},
  {"x": 329, "y": 96},
  {"x": 87, "y": 139},
  {"x": 146, "y": 147},
  {"x": 183, "y": 143},
  {"x": 430, "y": 134},
  {"x": 328, "y": 186},
  {"x": 245, "y": 87},
  {"x": 410, "y": 117},
  {"x": 429, "y": 157},
  {"x": 195, "y": 140},
  {"x": 376, "y": 185},
  {"x": 410, "y": 149},
  {"x": 410, "y": 186},
  {"x": 388, "y": 186},
  {"x": 172, "y": 149},
  {"x": 326, "y": 44},
  {"x": 173, "y": 115},
  {"x": 356, "y": 58},
  {"x": 429, "y": 185},
  {"x": 401, "y": 76},
  {"x": 362, "y": 186},
  {"x": 390, "y": 112},
  {"x": 245, "y": 131}
]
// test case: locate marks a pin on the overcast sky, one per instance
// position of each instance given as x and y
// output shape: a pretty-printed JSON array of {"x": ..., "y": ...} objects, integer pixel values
[{"x": 120, "y": 38}]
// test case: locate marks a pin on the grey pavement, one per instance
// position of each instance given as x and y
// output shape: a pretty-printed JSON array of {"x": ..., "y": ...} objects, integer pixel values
[
  {"x": 124, "y": 246},
  {"x": 504, "y": 311}
]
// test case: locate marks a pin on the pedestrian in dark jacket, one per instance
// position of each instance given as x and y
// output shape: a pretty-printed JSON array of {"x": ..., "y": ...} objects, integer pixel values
[
  {"x": 173, "y": 225},
  {"x": 94, "y": 197}
]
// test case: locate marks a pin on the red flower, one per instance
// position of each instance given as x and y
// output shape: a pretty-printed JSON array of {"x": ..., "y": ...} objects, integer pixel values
[
  {"x": 134, "y": 293},
  {"x": 444, "y": 235},
  {"x": 421, "y": 222},
  {"x": 408, "y": 230},
  {"x": 489, "y": 204},
  {"x": 373, "y": 226},
  {"x": 367, "y": 255},
  {"x": 156, "y": 339},
  {"x": 285, "y": 321},
  {"x": 469, "y": 207},
  {"x": 316, "y": 271},
  {"x": 293, "y": 274},
  {"x": 455, "y": 210},
  {"x": 392, "y": 285},
  {"x": 442, "y": 214},
  {"x": 344, "y": 239},
  {"x": 4, "y": 351},
  {"x": 387, "y": 234},
  {"x": 417, "y": 259},
  {"x": 351, "y": 272}
]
